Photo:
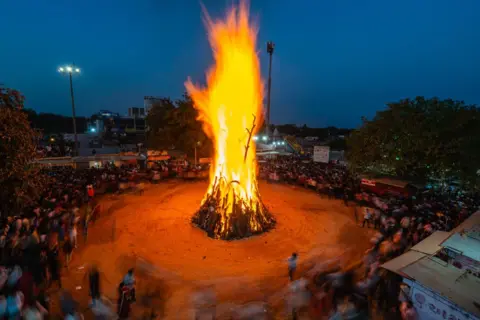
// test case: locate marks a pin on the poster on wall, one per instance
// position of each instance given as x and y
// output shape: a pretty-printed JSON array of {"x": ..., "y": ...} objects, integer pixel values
[
  {"x": 321, "y": 154},
  {"x": 430, "y": 308}
]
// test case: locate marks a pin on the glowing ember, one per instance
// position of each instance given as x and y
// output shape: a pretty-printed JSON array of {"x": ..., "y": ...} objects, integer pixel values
[{"x": 230, "y": 108}]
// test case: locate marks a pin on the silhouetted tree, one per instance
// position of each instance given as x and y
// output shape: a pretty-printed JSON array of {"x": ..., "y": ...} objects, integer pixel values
[
  {"x": 424, "y": 138},
  {"x": 20, "y": 180},
  {"x": 174, "y": 125},
  {"x": 51, "y": 123}
]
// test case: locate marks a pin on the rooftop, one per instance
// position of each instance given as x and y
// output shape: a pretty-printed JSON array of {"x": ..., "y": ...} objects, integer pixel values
[
  {"x": 465, "y": 239},
  {"x": 419, "y": 265}
]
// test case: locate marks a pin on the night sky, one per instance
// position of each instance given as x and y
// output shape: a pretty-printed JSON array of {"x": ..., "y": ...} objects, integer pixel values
[{"x": 335, "y": 60}]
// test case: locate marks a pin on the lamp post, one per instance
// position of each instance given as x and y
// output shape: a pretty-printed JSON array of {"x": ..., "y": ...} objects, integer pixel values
[
  {"x": 270, "y": 48},
  {"x": 71, "y": 70}
]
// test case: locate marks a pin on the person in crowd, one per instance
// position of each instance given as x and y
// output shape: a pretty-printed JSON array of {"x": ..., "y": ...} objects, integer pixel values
[
  {"x": 129, "y": 283},
  {"x": 54, "y": 263},
  {"x": 69, "y": 306},
  {"x": 67, "y": 251},
  {"x": 292, "y": 265},
  {"x": 407, "y": 311},
  {"x": 30, "y": 241},
  {"x": 94, "y": 283},
  {"x": 367, "y": 217},
  {"x": 73, "y": 234},
  {"x": 123, "y": 302}
]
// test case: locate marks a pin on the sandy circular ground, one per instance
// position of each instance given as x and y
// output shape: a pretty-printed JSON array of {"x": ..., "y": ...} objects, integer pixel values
[{"x": 153, "y": 233}]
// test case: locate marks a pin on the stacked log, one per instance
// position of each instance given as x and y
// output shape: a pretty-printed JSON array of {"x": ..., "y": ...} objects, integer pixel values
[{"x": 237, "y": 221}]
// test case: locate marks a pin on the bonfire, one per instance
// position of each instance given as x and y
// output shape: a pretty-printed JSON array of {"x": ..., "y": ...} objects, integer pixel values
[{"x": 230, "y": 109}]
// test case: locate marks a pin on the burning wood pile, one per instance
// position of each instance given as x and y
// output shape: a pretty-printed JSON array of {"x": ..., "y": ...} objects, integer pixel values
[
  {"x": 232, "y": 207},
  {"x": 241, "y": 219}
]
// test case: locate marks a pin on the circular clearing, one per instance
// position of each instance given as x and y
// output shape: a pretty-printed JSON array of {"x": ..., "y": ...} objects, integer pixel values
[{"x": 153, "y": 232}]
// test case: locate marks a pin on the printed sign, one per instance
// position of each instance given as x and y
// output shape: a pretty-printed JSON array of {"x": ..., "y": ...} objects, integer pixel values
[
  {"x": 321, "y": 154},
  {"x": 367, "y": 182},
  {"x": 428, "y": 307}
]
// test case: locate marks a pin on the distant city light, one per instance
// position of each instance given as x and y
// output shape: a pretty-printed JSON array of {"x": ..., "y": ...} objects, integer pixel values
[
  {"x": 69, "y": 69},
  {"x": 52, "y": 139},
  {"x": 264, "y": 138},
  {"x": 93, "y": 129},
  {"x": 77, "y": 70},
  {"x": 255, "y": 138},
  {"x": 61, "y": 69}
]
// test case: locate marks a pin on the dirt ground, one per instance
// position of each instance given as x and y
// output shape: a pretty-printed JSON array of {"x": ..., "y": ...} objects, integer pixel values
[{"x": 153, "y": 233}]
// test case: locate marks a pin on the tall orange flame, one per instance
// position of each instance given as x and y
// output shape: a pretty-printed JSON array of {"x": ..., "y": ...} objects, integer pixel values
[{"x": 230, "y": 108}]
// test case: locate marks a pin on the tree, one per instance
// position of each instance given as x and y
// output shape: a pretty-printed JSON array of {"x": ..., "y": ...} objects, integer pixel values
[
  {"x": 419, "y": 138},
  {"x": 51, "y": 123},
  {"x": 20, "y": 180},
  {"x": 338, "y": 144},
  {"x": 174, "y": 125}
]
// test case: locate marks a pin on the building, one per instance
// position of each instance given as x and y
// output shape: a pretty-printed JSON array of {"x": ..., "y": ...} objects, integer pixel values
[
  {"x": 136, "y": 112},
  {"x": 148, "y": 101},
  {"x": 441, "y": 274}
]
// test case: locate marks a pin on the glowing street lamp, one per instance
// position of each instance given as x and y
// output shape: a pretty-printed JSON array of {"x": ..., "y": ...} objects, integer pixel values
[{"x": 71, "y": 70}]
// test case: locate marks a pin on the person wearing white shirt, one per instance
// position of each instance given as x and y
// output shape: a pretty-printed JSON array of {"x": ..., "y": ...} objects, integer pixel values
[{"x": 292, "y": 265}]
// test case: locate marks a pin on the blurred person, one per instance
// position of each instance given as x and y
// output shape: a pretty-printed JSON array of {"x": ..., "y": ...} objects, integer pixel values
[
  {"x": 73, "y": 235},
  {"x": 367, "y": 217},
  {"x": 68, "y": 305},
  {"x": 204, "y": 303},
  {"x": 14, "y": 303},
  {"x": 123, "y": 302},
  {"x": 298, "y": 298},
  {"x": 54, "y": 263},
  {"x": 94, "y": 283},
  {"x": 407, "y": 310},
  {"x": 292, "y": 265},
  {"x": 68, "y": 250},
  {"x": 129, "y": 282}
]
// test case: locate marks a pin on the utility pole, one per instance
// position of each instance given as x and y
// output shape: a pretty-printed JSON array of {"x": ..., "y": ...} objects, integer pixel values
[
  {"x": 270, "y": 48},
  {"x": 75, "y": 148},
  {"x": 70, "y": 70}
]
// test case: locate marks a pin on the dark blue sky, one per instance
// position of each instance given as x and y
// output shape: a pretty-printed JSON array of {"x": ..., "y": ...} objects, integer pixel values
[{"x": 335, "y": 60}]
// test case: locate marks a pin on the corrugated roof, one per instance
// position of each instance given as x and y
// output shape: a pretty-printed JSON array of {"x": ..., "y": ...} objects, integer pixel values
[
  {"x": 452, "y": 283},
  {"x": 465, "y": 239},
  {"x": 397, "y": 264},
  {"x": 432, "y": 244}
]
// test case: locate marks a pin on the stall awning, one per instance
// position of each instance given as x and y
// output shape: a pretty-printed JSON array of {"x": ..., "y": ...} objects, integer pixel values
[{"x": 419, "y": 265}]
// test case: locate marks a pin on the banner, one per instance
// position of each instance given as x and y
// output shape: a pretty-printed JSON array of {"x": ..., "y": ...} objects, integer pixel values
[
  {"x": 321, "y": 154},
  {"x": 367, "y": 182},
  {"x": 429, "y": 307}
]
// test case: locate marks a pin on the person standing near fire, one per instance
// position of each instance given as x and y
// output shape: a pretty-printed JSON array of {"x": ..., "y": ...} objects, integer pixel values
[{"x": 292, "y": 265}]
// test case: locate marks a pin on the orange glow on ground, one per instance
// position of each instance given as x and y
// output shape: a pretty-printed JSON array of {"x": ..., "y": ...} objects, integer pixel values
[{"x": 230, "y": 108}]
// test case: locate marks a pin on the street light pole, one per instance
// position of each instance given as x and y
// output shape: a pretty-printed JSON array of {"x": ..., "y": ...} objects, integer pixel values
[
  {"x": 270, "y": 48},
  {"x": 75, "y": 149},
  {"x": 70, "y": 70}
]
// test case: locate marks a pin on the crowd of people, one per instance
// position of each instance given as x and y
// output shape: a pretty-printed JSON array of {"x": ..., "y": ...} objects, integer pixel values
[
  {"x": 400, "y": 222},
  {"x": 35, "y": 245}
]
